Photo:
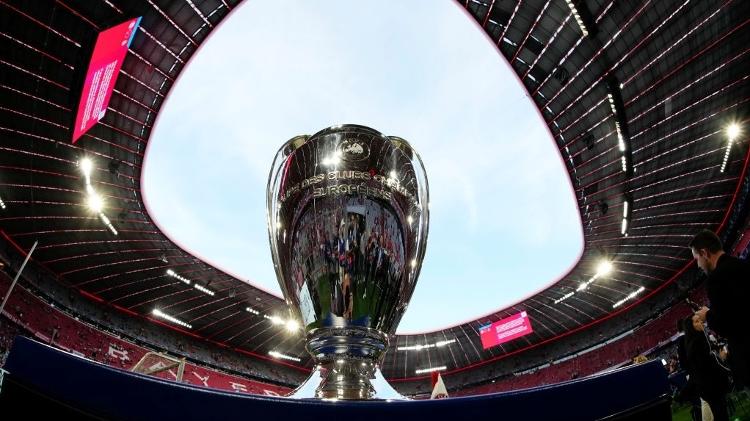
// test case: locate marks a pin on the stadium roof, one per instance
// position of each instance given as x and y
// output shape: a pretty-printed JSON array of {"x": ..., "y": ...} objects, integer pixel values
[{"x": 637, "y": 96}]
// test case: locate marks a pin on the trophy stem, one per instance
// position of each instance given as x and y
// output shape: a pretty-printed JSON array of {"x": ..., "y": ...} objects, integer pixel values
[{"x": 348, "y": 360}]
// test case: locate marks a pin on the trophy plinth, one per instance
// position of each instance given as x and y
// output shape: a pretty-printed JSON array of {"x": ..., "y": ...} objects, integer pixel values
[{"x": 348, "y": 221}]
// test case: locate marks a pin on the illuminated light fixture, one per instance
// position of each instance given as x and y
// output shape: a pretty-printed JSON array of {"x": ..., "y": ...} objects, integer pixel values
[
  {"x": 392, "y": 174},
  {"x": 430, "y": 370},
  {"x": 611, "y": 103},
  {"x": 733, "y": 130},
  {"x": 413, "y": 263},
  {"x": 2, "y": 204},
  {"x": 426, "y": 346},
  {"x": 161, "y": 314},
  {"x": 629, "y": 297},
  {"x": 726, "y": 157},
  {"x": 564, "y": 297},
  {"x": 615, "y": 102},
  {"x": 275, "y": 319},
  {"x": 95, "y": 202},
  {"x": 577, "y": 16},
  {"x": 624, "y": 227},
  {"x": 620, "y": 140},
  {"x": 444, "y": 343},
  {"x": 604, "y": 268},
  {"x": 252, "y": 310},
  {"x": 415, "y": 347},
  {"x": 204, "y": 290},
  {"x": 292, "y": 325},
  {"x": 86, "y": 166},
  {"x": 108, "y": 223},
  {"x": 172, "y": 273},
  {"x": 625, "y": 205},
  {"x": 409, "y": 219},
  {"x": 283, "y": 356}
]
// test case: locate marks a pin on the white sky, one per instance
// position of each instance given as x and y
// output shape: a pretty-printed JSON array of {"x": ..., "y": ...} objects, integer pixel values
[{"x": 504, "y": 221}]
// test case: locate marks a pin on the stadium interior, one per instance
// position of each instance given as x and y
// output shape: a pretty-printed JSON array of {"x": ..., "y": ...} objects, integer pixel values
[{"x": 646, "y": 102}]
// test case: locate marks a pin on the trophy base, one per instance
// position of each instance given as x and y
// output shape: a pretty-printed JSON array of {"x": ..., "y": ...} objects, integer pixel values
[
  {"x": 347, "y": 365},
  {"x": 333, "y": 383}
]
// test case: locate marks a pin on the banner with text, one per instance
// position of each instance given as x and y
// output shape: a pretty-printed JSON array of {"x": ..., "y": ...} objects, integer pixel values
[
  {"x": 505, "y": 330},
  {"x": 106, "y": 60}
]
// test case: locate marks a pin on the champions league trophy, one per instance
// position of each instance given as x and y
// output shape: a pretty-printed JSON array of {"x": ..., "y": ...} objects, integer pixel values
[{"x": 347, "y": 220}]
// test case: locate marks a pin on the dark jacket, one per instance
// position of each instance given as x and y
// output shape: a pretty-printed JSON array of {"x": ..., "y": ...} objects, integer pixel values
[
  {"x": 705, "y": 372},
  {"x": 728, "y": 288}
]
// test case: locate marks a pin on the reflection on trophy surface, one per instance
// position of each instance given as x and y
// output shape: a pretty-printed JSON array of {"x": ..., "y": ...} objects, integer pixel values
[{"x": 347, "y": 219}]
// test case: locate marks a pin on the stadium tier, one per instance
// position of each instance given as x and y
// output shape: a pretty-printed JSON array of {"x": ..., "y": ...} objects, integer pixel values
[
  {"x": 645, "y": 102},
  {"x": 46, "y": 322},
  {"x": 29, "y": 315}
]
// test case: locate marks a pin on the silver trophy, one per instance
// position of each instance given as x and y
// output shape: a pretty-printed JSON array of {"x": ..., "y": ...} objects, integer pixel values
[{"x": 347, "y": 220}]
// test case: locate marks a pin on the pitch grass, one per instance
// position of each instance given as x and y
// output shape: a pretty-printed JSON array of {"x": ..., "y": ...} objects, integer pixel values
[{"x": 741, "y": 401}]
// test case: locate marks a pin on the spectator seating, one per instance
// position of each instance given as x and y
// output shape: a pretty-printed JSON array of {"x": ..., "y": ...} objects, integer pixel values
[{"x": 25, "y": 313}]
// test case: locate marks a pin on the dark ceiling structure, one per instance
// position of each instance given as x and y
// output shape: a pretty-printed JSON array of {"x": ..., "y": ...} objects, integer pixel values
[{"x": 636, "y": 95}]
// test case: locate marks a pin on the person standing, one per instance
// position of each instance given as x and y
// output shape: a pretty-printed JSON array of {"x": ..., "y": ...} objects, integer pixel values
[
  {"x": 728, "y": 287},
  {"x": 707, "y": 375}
]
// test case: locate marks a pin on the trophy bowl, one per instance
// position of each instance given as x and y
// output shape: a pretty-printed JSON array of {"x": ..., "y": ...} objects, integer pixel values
[{"x": 348, "y": 219}]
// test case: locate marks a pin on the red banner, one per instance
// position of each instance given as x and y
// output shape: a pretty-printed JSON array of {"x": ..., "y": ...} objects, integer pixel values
[
  {"x": 106, "y": 61},
  {"x": 505, "y": 330}
]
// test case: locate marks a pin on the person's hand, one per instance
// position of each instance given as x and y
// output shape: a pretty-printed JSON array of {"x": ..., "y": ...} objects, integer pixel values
[
  {"x": 702, "y": 313},
  {"x": 723, "y": 353}
]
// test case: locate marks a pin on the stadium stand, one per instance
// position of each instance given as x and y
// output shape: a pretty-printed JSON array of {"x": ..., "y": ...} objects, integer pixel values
[
  {"x": 43, "y": 284},
  {"x": 28, "y": 314},
  {"x": 559, "y": 362},
  {"x": 614, "y": 353}
]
